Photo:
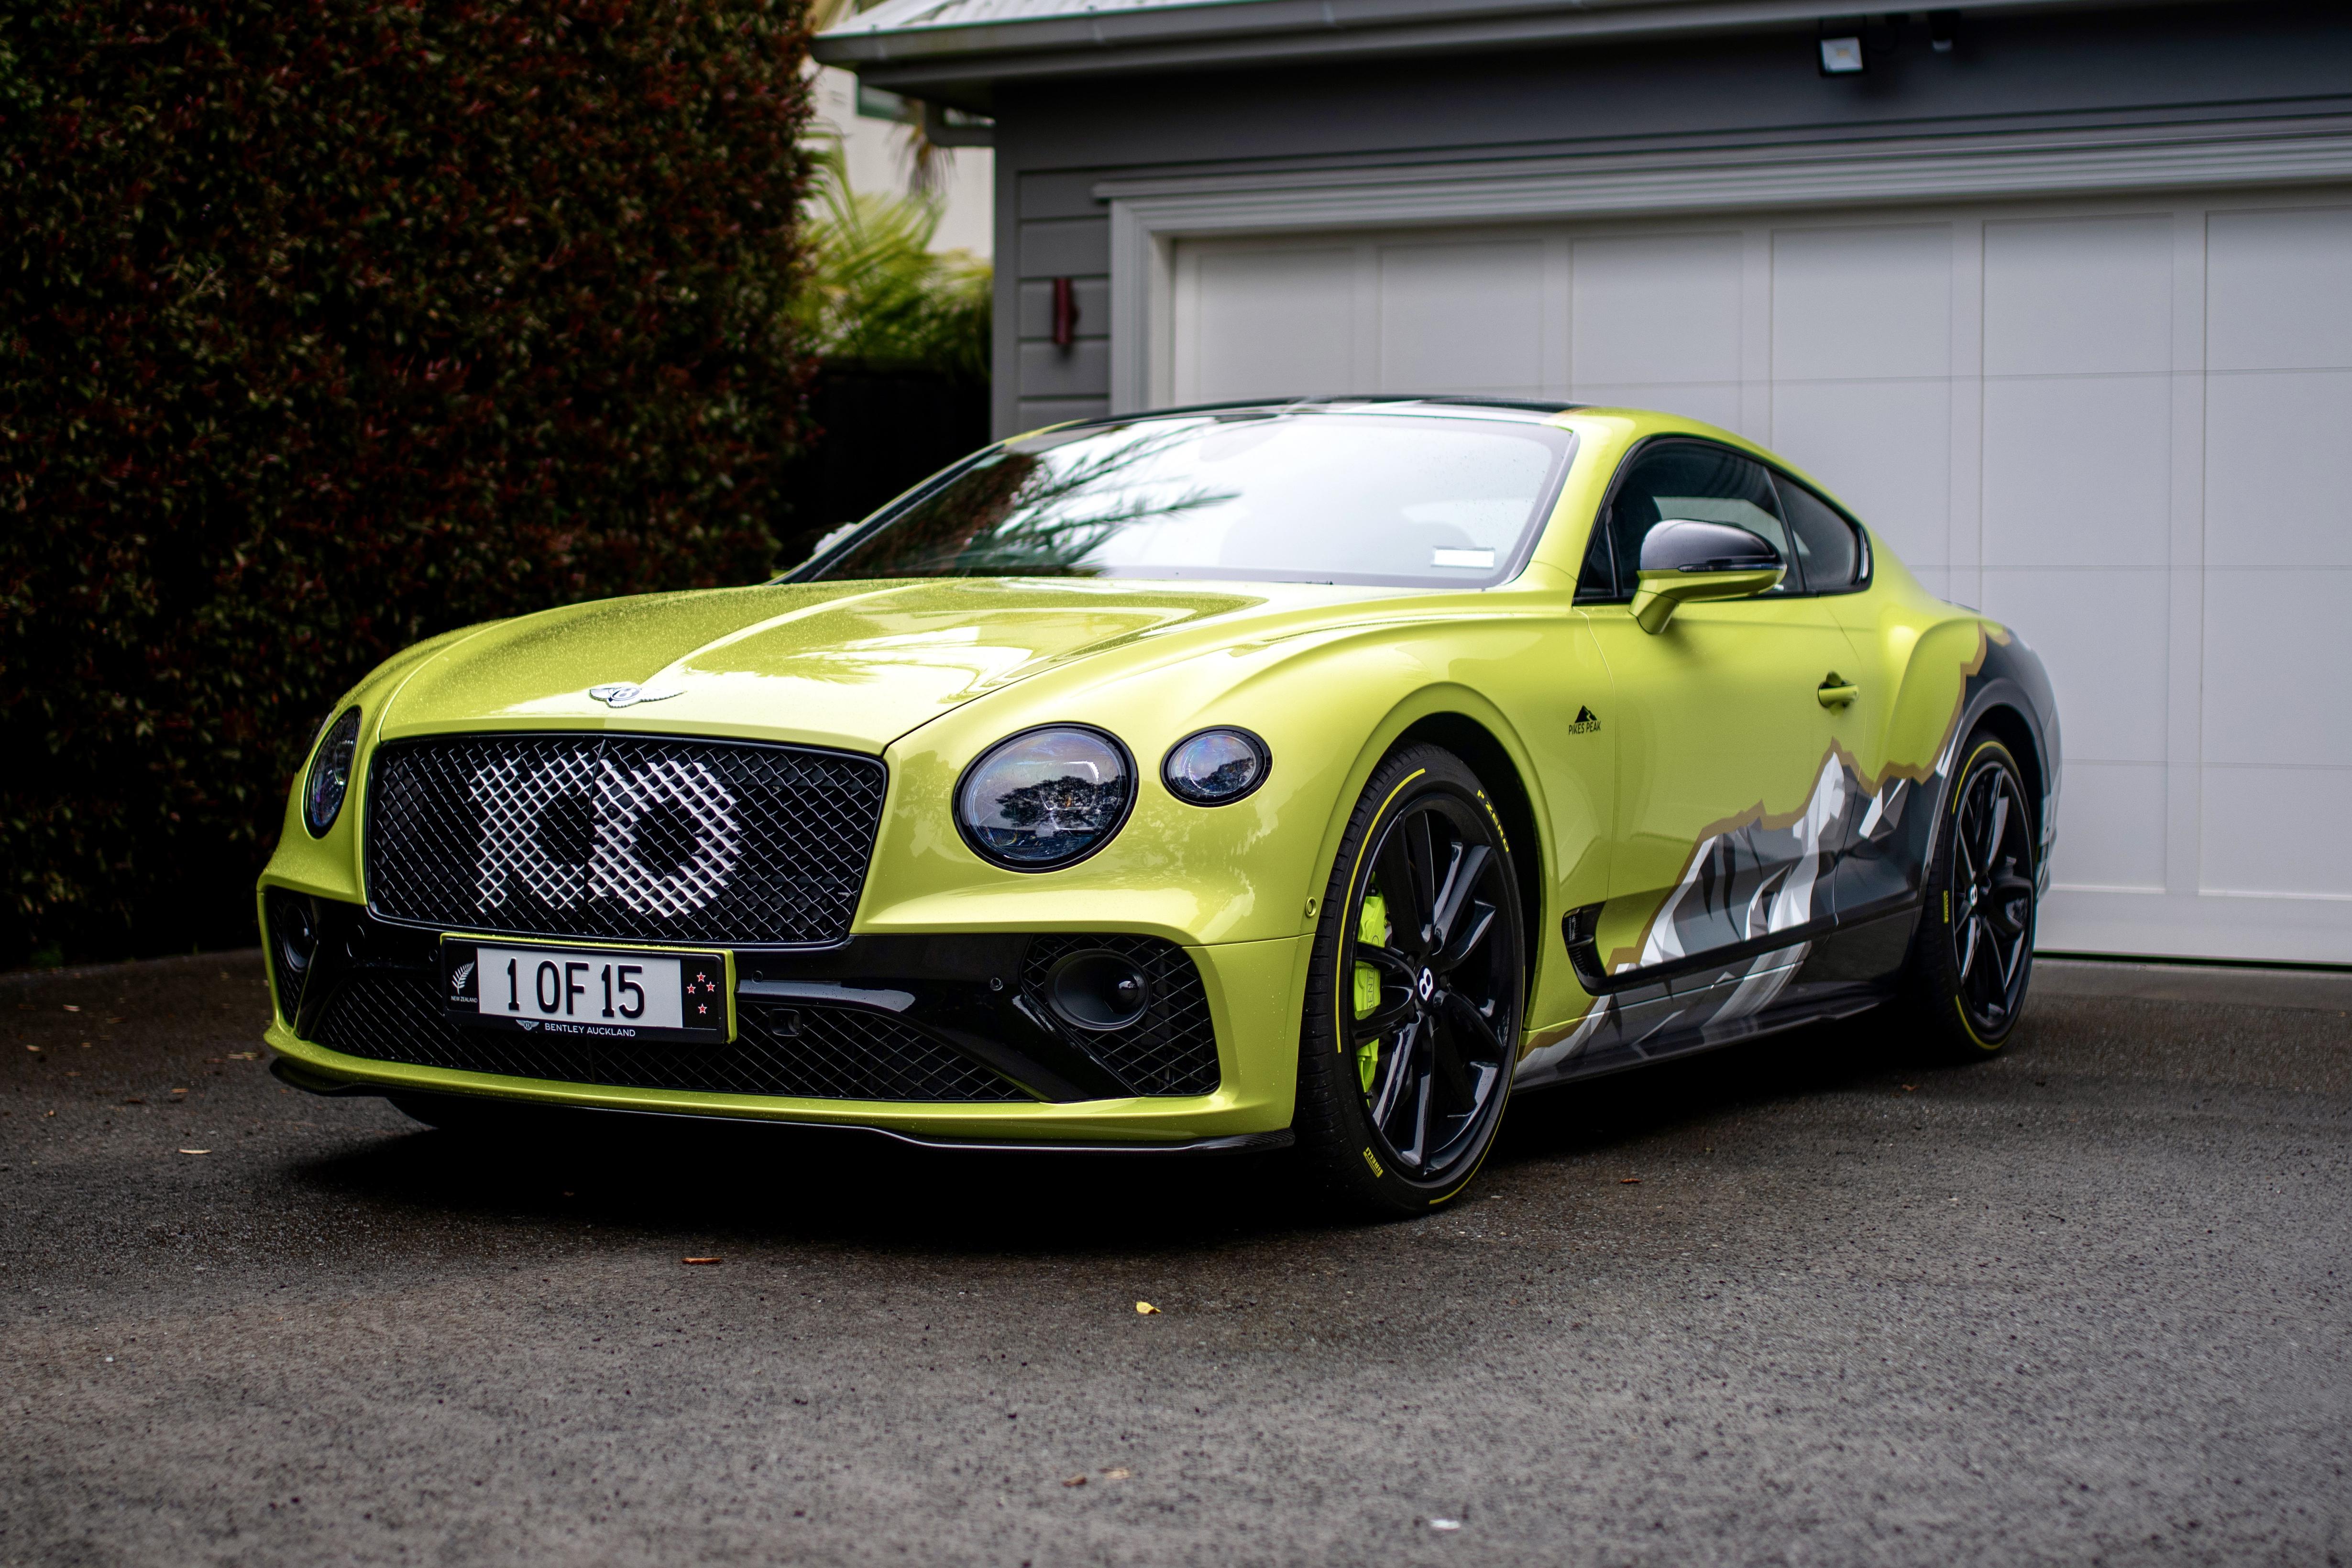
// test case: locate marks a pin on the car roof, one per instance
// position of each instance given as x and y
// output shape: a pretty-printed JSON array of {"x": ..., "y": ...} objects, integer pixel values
[{"x": 1529, "y": 409}]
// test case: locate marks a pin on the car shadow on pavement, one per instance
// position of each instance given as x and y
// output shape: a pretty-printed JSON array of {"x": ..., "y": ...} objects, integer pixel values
[{"x": 755, "y": 1184}]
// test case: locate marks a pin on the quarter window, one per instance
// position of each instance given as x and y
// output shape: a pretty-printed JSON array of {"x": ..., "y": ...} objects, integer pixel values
[{"x": 1828, "y": 546}]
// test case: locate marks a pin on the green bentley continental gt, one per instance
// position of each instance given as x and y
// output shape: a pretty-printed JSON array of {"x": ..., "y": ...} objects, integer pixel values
[{"x": 1310, "y": 775}]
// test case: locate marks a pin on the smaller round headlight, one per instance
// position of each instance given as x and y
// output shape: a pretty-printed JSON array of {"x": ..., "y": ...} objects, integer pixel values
[
  {"x": 330, "y": 775},
  {"x": 1215, "y": 766},
  {"x": 1045, "y": 798}
]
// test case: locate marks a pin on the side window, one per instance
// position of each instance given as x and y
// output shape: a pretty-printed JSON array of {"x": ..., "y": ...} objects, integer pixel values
[
  {"x": 1679, "y": 480},
  {"x": 1829, "y": 547}
]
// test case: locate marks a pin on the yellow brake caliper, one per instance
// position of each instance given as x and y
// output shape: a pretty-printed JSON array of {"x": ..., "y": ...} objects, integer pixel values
[{"x": 1373, "y": 931}]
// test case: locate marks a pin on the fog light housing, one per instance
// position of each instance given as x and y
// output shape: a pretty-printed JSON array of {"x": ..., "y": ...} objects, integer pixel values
[
  {"x": 1097, "y": 990},
  {"x": 293, "y": 938},
  {"x": 1215, "y": 766},
  {"x": 330, "y": 774}
]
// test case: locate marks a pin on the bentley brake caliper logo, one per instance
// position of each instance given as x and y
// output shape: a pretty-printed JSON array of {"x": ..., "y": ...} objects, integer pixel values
[
  {"x": 628, "y": 694},
  {"x": 1585, "y": 723}
]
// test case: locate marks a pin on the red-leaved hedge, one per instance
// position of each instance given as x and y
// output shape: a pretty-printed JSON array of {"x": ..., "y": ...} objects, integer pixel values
[{"x": 329, "y": 324}]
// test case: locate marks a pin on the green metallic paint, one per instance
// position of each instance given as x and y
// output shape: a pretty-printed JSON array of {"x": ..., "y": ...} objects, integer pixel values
[{"x": 928, "y": 674}]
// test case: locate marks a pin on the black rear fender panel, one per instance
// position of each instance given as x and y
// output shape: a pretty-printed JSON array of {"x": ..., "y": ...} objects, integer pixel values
[{"x": 2010, "y": 696}]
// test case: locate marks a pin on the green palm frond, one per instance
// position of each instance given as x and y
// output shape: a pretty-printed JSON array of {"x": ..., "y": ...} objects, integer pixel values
[{"x": 876, "y": 290}]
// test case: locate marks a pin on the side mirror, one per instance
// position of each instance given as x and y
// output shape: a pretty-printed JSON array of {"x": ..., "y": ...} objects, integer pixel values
[{"x": 1684, "y": 561}]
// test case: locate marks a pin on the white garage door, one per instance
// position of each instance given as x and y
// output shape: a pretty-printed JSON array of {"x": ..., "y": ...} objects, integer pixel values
[{"x": 2122, "y": 428}]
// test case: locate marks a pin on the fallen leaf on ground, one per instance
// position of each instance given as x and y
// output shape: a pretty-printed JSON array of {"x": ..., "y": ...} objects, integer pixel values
[
  {"x": 702, "y": 1260},
  {"x": 34, "y": 1049},
  {"x": 1076, "y": 1481},
  {"x": 72, "y": 1008},
  {"x": 195, "y": 1151},
  {"x": 244, "y": 1055},
  {"x": 1444, "y": 1524},
  {"x": 1907, "y": 1087},
  {"x": 134, "y": 1101},
  {"x": 1629, "y": 1181},
  {"x": 1116, "y": 1475},
  {"x": 1145, "y": 1309}
]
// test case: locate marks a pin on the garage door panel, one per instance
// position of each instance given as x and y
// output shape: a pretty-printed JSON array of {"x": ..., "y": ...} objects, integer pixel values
[
  {"x": 2278, "y": 288},
  {"x": 2276, "y": 830},
  {"x": 1881, "y": 447},
  {"x": 2077, "y": 471},
  {"x": 1654, "y": 310},
  {"x": 2078, "y": 295},
  {"x": 2273, "y": 497},
  {"x": 1864, "y": 302},
  {"x": 1460, "y": 317},
  {"x": 2104, "y": 637},
  {"x": 2111, "y": 831},
  {"x": 2278, "y": 646},
  {"x": 1273, "y": 323},
  {"x": 2058, "y": 409}
]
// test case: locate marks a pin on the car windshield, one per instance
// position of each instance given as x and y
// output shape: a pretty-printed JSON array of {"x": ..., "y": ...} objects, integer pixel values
[{"x": 1421, "y": 501}]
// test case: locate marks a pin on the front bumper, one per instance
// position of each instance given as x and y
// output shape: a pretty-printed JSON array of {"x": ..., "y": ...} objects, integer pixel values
[{"x": 941, "y": 984}]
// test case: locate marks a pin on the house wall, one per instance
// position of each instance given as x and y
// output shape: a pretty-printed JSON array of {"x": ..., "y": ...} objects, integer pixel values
[{"x": 1055, "y": 142}]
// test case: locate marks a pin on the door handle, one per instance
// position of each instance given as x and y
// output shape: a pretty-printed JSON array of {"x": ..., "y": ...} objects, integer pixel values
[{"x": 1836, "y": 691}]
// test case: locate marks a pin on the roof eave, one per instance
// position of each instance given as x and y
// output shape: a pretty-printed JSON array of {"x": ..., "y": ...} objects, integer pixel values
[{"x": 1269, "y": 32}]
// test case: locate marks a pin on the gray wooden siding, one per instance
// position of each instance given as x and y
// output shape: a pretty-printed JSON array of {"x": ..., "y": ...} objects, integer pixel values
[{"x": 1062, "y": 231}]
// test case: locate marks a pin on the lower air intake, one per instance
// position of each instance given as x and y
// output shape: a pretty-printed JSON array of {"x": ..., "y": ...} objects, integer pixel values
[{"x": 816, "y": 1053}]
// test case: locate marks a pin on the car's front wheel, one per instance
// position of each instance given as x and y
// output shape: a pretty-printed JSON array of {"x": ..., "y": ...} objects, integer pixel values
[
  {"x": 1411, "y": 1023},
  {"x": 1974, "y": 952}
]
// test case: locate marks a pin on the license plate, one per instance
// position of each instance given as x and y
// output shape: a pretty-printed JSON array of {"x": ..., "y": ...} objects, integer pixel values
[{"x": 587, "y": 993}]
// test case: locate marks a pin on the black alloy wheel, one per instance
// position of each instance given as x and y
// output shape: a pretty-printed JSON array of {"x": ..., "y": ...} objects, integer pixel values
[
  {"x": 1413, "y": 1020},
  {"x": 1975, "y": 956}
]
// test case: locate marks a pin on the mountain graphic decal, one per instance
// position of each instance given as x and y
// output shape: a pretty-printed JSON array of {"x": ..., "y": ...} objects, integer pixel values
[{"x": 1585, "y": 722}]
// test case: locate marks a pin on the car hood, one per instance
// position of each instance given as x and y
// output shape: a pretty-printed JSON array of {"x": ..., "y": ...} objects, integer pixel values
[{"x": 848, "y": 664}]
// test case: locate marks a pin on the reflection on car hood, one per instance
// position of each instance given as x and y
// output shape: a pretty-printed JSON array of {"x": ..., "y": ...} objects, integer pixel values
[{"x": 848, "y": 664}]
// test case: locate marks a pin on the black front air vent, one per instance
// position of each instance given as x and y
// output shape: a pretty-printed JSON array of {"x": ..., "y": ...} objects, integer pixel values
[
  {"x": 622, "y": 837},
  {"x": 810, "y": 1053}
]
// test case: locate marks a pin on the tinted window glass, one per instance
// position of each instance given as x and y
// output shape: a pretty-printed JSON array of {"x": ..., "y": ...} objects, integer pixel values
[
  {"x": 1683, "y": 480},
  {"x": 1420, "y": 501},
  {"x": 1826, "y": 542}
]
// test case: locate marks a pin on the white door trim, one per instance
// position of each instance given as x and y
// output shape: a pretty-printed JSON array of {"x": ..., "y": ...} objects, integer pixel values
[{"x": 1147, "y": 215}]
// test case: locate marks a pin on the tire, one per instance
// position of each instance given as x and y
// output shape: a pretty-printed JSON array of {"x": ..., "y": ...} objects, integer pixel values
[
  {"x": 1407, "y": 1041},
  {"x": 1973, "y": 957}
]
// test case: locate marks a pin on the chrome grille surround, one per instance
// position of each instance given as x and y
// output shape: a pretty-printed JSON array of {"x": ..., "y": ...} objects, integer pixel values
[{"x": 622, "y": 837}]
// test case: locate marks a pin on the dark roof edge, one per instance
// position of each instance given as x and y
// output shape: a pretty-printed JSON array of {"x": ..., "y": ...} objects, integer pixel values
[{"x": 1259, "y": 32}]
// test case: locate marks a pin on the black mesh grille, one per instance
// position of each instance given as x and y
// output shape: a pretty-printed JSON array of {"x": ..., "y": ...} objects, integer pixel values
[
  {"x": 622, "y": 837},
  {"x": 1173, "y": 1050},
  {"x": 821, "y": 1053}
]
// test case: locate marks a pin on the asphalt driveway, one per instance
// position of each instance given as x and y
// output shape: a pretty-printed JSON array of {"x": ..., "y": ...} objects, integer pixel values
[{"x": 1809, "y": 1300}]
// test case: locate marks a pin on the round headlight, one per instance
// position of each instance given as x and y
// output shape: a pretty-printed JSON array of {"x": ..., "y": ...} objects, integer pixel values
[
  {"x": 1045, "y": 798},
  {"x": 1215, "y": 766},
  {"x": 330, "y": 775}
]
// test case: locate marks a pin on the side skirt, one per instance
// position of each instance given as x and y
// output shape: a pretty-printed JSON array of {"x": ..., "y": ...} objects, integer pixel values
[{"x": 1846, "y": 972}]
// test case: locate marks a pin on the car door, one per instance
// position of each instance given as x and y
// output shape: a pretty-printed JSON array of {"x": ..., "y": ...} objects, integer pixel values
[
  {"x": 1732, "y": 791},
  {"x": 1878, "y": 861}
]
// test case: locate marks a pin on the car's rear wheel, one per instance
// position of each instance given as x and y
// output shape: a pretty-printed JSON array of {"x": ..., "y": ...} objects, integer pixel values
[
  {"x": 1973, "y": 957},
  {"x": 1411, "y": 1023}
]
